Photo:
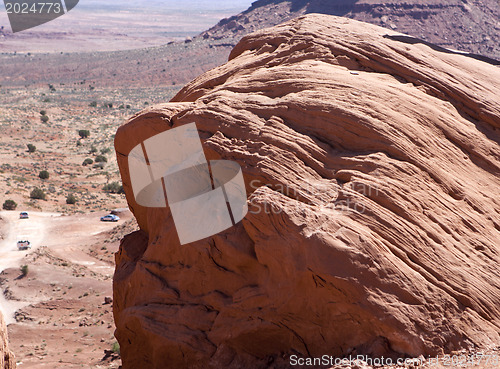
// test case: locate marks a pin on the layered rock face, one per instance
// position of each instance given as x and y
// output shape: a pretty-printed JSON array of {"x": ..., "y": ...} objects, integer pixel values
[
  {"x": 372, "y": 169},
  {"x": 7, "y": 359}
]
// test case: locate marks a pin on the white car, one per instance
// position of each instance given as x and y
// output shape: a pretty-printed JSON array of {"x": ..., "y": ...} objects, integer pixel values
[
  {"x": 110, "y": 218},
  {"x": 23, "y": 215},
  {"x": 23, "y": 245}
]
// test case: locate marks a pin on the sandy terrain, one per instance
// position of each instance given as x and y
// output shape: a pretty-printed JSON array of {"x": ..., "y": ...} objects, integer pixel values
[
  {"x": 62, "y": 298},
  {"x": 94, "y": 26}
]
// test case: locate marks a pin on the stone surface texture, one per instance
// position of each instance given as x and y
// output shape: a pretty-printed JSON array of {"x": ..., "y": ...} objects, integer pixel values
[{"x": 372, "y": 168}]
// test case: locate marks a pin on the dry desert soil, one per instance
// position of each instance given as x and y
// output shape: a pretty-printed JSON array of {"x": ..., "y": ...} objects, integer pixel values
[{"x": 59, "y": 314}]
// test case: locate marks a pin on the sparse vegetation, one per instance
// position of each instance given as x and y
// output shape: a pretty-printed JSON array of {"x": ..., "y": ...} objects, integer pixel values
[
  {"x": 9, "y": 205},
  {"x": 113, "y": 187},
  {"x": 84, "y": 133},
  {"x": 71, "y": 199},
  {"x": 31, "y": 148},
  {"x": 37, "y": 193},
  {"x": 44, "y": 174},
  {"x": 101, "y": 159},
  {"x": 87, "y": 161},
  {"x": 116, "y": 348},
  {"x": 24, "y": 270}
]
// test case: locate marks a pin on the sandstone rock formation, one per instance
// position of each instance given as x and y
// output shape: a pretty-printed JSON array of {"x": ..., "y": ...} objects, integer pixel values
[
  {"x": 372, "y": 168},
  {"x": 7, "y": 359}
]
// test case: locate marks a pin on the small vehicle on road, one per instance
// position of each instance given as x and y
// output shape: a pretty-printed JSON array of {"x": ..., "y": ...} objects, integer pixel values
[
  {"x": 23, "y": 215},
  {"x": 23, "y": 245},
  {"x": 110, "y": 218}
]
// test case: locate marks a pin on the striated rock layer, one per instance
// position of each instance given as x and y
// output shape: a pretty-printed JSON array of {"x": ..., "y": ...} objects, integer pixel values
[
  {"x": 372, "y": 169},
  {"x": 7, "y": 359}
]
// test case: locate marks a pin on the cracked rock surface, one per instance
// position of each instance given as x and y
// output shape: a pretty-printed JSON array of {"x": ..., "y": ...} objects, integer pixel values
[{"x": 372, "y": 169}]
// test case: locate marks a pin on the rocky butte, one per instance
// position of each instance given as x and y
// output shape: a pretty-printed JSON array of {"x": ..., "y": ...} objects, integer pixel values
[{"x": 372, "y": 167}]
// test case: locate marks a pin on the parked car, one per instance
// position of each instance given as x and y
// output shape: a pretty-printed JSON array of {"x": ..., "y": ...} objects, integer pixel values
[
  {"x": 23, "y": 245},
  {"x": 110, "y": 218},
  {"x": 23, "y": 215}
]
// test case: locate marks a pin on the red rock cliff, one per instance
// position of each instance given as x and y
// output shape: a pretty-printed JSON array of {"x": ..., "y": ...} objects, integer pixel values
[
  {"x": 372, "y": 168},
  {"x": 7, "y": 359}
]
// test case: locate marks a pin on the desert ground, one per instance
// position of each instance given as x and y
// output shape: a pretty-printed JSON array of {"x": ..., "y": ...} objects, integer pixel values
[
  {"x": 97, "y": 26},
  {"x": 59, "y": 314}
]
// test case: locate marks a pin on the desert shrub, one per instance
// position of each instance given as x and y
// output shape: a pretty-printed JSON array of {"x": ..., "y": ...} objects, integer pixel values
[
  {"x": 43, "y": 174},
  {"x": 24, "y": 270},
  {"x": 107, "y": 150},
  {"x": 116, "y": 348},
  {"x": 44, "y": 118},
  {"x": 99, "y": 166},
  {"x": 9, "y": 205},
  {"x": 87, "y": 161},
  {"x": 37, "y": 193},
  {"x": 93, "y": 104},
  {"x": 93, "y": 149},
  {"x": 31, "y": 148},
  {"x": 84, "y": 133},
  {"x": 71, "y": 199},
  {"x": 113, "y": 187},
  {"x": 101, "y": 159},
  {"x": 43, "y": 112}
]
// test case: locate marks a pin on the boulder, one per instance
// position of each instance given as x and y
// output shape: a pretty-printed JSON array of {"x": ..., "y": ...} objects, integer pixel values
[{"x": 372, "y": 170}]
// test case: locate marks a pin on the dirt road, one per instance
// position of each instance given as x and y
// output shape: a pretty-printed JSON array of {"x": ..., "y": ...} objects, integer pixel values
[{"x": 34, "y": 230}]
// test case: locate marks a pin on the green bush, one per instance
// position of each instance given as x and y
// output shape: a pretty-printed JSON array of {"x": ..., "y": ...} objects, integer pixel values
[
  {"x": 24, "y": 270},
  {"x": 71, "y": 199},
  {"x": 43, "y": 112},
  {"x": 31, "y": 148},
  {"x": 113, "y": 187},
  {"x": 9, "y": 205},
  {"x": 93, "y": 149},
  {"x": 101, "y": 159},
  {"x": 84, "y": 133},
  {"x": 116, "y": 348},
  {"x": 87, "y": 161},
  {"x": 43, "y": 174},
  {"x": 37, "y": 193}
]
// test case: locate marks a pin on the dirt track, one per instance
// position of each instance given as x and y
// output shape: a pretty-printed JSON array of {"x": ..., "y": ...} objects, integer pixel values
[{"x": 62, "y": 297}]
